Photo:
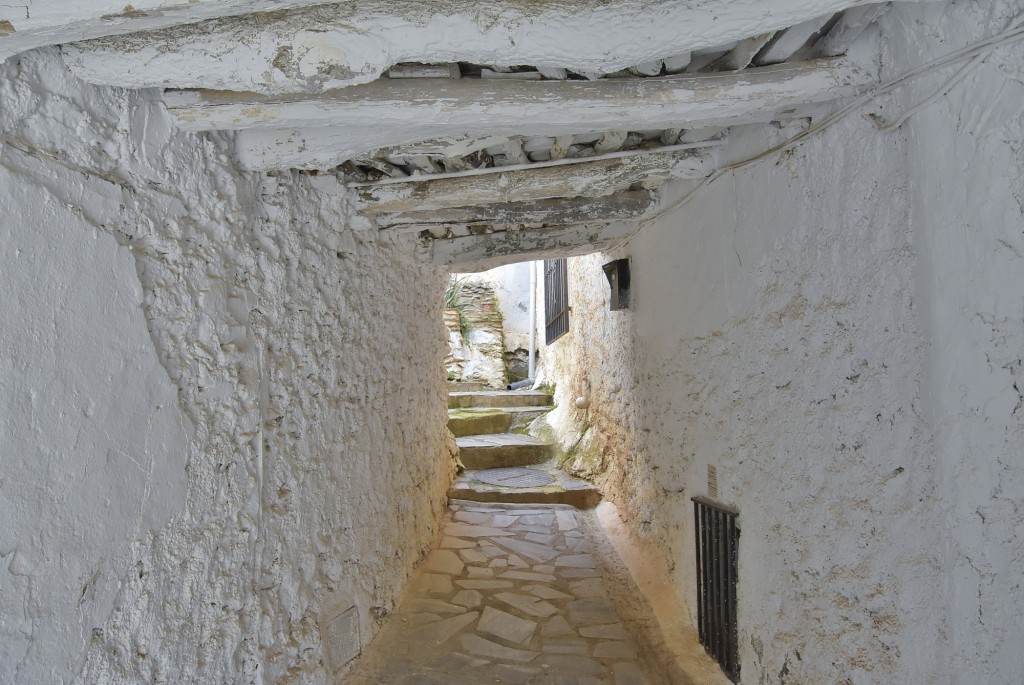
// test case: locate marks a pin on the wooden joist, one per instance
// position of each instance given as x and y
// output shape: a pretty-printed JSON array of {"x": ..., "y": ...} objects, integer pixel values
[
  {"x": 853, "y": 22},
  {"x": 318, "y": 131},
  {"x": 299, "y": 45},
  {"x": 595, "y": 178},
  {"x": 417, "y": 70},
  {"x": 433, "y": 108},
  {"x": 787, "y": 43},
  {"x": 456, "y": 146},
  {"x": 481, "y": 252},
  {"x": 743, "y": 54},
  {"x": 577, "y": 210},
  {"x": 38, "y": 23},
  {"x": 700, "y": 59},
  {"x": 487, "y": 107}
]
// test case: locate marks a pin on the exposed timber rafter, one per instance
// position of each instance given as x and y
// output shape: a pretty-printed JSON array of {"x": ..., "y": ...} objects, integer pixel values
[
  {"x": 589, "y": 178},
  {"x": 743, "y": 54},
  {"x": 483, "y": 106},
  {"x": 791, "y": 41},
  {"x": 37, "y": 23},
  {"x": 321, "y": 131},
  {"x": 481, "y": 252},
  {"x": 853, "y": 22},
  {"x": 574, "y": 210},
  {"x": 256, "y": 45}
]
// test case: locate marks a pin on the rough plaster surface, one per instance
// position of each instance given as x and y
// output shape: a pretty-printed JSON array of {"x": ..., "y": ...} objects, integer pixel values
[
  {"x": 850, "y": 363},
  {"x": 302, "y": 465},
  {"x": 967, "y": 211},
  {"x": 585, "y": 364},
  {"x": 335, "y": 45},
  {"x": 95, "y": 443},
  {"x": 774, "y": 336}
]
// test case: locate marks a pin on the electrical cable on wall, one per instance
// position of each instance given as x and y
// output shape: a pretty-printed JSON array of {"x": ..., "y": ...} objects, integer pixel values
[{"x": 977, "y": 52}]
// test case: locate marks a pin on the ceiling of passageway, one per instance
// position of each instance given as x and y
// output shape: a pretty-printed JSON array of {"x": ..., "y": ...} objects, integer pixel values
[{"x": 495, "y": 133}]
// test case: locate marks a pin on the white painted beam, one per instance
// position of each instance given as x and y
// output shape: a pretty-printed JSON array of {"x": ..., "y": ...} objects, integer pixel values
[
  {"x": 743, "y": 54},
  {"x": 594, "y": 178},
  {"x": 477, "y": 105},
  {"x": 787, "y": 43},
  {"x": 417, "y": 70},
  {"x": 474, "y": 253},
  {"x": 324, "y": 130},
  {"x": 704, "y": 58},
  {"x": 30, "y": 24},
  {"x": 556, "y": 211},
  {"x": 340, "y": 44}
]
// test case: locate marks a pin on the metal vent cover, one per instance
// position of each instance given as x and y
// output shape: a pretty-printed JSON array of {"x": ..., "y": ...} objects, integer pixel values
[{"x": 712, "y": 481}]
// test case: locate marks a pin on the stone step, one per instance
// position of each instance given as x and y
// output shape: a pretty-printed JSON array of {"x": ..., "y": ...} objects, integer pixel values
[
  {"x": 561, "y": 488},
  {"x": 498, "y": 398},
  {"x": 481, "y": 420},
  {"x": 466, "y": 386},
  {"x": 496, "y": 450}
]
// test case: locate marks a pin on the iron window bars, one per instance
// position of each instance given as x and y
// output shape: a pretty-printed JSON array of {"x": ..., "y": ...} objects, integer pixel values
[{"x": 717, "y": 539}]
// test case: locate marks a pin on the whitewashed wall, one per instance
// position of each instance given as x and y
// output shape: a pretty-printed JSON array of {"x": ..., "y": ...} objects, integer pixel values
[
  {"x": 966, "y": 193},
  {"x": 773, "y": 337},
  {"x": 839, "y": 332},
  {"x": 94, "y": 442},
  {"x": 220, "y": 425}
]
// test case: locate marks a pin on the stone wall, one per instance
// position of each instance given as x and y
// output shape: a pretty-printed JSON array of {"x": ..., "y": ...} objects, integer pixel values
[
  {"x": 219, "y": 434},
  {"x": 838, "y": 331},
  {"x": 511, "y": 284},
  {"x": 481, "y": 358}
]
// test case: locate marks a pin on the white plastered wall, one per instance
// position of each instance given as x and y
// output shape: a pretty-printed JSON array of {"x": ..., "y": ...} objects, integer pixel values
[
  {"x": 773, "y": 336},
  {"x": 839, "y": 331},
  {"x": 255, "y": 389},
  {"x": 94, "y": 442},
  {"x": 966, "y": 192}
]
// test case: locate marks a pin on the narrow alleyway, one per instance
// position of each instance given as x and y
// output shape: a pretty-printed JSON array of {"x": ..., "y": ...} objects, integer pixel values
[
  {"x": 524, "y": 587},
  {"x": 516, "y": 593}
]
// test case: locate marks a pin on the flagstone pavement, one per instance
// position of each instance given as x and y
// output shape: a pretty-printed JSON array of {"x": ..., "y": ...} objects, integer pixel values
[{"x": 514, "y": 595}]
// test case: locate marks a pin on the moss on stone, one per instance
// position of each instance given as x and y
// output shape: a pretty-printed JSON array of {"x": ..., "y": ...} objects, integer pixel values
[{"x": 467, "y": 413}]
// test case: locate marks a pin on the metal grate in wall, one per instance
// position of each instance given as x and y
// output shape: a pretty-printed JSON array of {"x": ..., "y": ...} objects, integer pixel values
[
  {"x": 556, "y": 299},
  {"x": 717, "y": 540}
]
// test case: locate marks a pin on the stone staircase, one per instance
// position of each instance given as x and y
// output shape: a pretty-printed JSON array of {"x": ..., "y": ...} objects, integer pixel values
[{"x": 503, "y": 463}]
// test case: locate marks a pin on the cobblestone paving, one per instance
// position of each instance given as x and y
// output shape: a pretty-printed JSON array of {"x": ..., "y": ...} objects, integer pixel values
[{"x": 513, "y": 595}]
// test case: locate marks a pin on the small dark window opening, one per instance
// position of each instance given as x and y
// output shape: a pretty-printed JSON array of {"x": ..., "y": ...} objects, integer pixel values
[
  {"x": 556, "y": 299},
  {"x": 617, "y": 273},
  {"x": 717, "y": 540}
]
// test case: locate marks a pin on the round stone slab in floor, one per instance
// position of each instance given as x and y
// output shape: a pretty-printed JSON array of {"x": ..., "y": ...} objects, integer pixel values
[{"x": 515, "y": 478}]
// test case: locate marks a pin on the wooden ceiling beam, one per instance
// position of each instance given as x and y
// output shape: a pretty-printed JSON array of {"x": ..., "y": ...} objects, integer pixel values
[
  {"x": 323, "y": 130},
  {"x": 277, "y": 46},
  {"x": 849, "y": 27},
  {"x": 482, "y": 107},
  {"x": 592, "y": 178},
  {"x": 791, "y": 41},
  {"x": 557, "y": 211},
  {"x": 474, "y": 253}
]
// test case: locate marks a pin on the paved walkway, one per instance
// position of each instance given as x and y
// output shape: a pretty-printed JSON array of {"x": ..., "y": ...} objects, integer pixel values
[{"x": 513, "y": 595}]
